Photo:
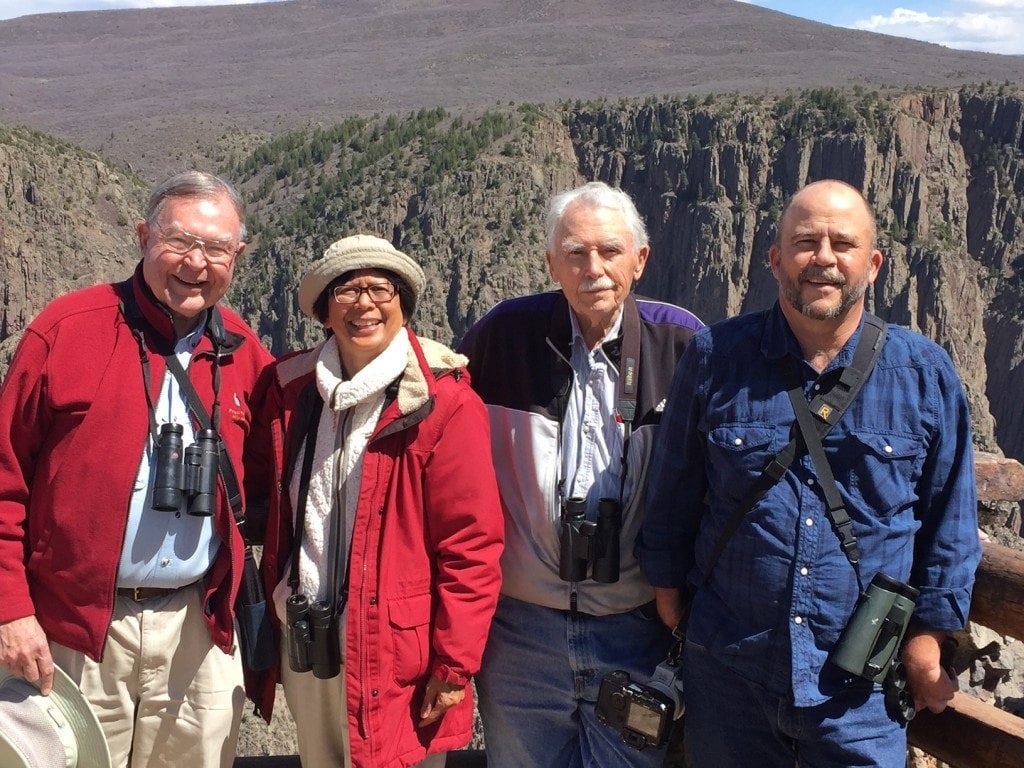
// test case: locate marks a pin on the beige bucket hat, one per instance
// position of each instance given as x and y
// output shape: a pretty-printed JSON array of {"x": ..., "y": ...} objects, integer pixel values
[{"x": 39, "y": 731}]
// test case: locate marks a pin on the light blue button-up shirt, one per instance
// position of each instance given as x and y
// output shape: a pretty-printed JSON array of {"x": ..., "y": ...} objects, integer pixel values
[
  {"x": 591, "y": 434},
  {"x": 166, "y": 549}
]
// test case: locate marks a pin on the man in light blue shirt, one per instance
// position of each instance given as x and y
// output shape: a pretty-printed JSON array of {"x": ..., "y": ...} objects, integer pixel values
[
  {"x": 574, "y": 381},
  {"x": 166, "y": 549}
]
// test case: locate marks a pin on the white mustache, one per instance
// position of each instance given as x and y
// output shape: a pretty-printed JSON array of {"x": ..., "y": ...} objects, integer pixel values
[{"x": 597, "y": 284}]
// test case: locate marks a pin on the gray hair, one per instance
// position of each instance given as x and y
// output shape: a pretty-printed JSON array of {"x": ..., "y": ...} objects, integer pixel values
[
  {"x": 195, "y": 184},
  {"x": 596, "y": 194}
]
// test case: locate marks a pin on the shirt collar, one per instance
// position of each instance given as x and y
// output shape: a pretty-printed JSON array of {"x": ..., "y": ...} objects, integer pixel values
[
  {"x": 190, "y": 341},
  {"x": 577, "y": 335},
  {"x": 778, "y": 340}
]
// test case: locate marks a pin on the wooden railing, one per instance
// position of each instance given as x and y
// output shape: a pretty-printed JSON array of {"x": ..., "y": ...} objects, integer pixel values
[{"x": 971, "y": 733}]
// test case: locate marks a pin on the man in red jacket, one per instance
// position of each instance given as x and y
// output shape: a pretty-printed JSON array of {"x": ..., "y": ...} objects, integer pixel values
[{"x": 116, "y": 563}]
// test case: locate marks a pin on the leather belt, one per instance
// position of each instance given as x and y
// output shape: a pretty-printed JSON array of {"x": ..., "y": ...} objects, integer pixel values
[{"x": 138, "y": 594}]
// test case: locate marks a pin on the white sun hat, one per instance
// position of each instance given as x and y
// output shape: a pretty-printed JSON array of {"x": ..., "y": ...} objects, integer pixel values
[{"x": 55, "y": 731}]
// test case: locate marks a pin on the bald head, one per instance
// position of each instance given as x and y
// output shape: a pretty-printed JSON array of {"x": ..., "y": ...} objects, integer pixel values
[
  {"x": 837, "y": 190},
  {"x": 824, "y": 258}
]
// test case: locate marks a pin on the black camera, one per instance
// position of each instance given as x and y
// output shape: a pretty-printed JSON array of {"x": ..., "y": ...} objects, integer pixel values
[
  {"x": 642, "y": 714},
  {"x": 588, "y": 546},
  {"x": 313, "y": 643},
  {"x": 189, "y": 473}
]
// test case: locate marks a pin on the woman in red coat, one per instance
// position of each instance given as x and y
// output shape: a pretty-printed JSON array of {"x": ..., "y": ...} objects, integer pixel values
[{"x": 384, "y": 525}]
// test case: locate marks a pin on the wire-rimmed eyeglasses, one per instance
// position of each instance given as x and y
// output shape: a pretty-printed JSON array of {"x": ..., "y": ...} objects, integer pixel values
[{"x": 219, "y": 252}]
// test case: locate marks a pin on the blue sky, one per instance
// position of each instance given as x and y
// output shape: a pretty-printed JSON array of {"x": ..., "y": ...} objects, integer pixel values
[{"x": 996, "y": 26}]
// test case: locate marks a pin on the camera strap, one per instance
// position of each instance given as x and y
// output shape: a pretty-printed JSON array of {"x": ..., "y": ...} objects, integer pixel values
[
  {"x": 312, "y": 426},
  {"x": 311, "y": 402},
  {"x": 626, "y": 387},
  {"x": 827, "y": 409},
  {"x": 835, "y": 509},
  {"x": 224, "y": 467}
]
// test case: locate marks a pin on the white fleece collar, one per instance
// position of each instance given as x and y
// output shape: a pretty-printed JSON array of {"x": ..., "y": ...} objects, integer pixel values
[{"x": 341, "y": 394}]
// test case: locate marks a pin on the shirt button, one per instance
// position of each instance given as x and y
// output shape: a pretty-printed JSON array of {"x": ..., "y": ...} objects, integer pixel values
[
  {"x": 738, "y": 441},
  {"x": 803, "y": 571},
  {"x": 809, "y": 521},
  {"x": 165, "y": 562},
  {"x": 586, "y": 429},
  {"x": 373, "y": 600},
  {"x": 888, "y": 449},
  {"x": 798, "y": 620},
  {"x": 817, "y": 387},
  {"x": 810, "y": 481}
]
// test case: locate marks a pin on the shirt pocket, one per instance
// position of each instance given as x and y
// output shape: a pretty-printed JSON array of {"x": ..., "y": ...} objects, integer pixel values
[
  {"x": 410, "y": 633},
  {"x": 885, "y": 470},
  {"x": 739, "y": 451}
]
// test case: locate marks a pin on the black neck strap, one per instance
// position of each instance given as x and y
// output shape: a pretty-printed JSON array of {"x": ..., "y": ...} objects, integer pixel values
[
  {"x": 309, "y": 447},
  {"x": 339, "y": 566},
  {"x": 626, "y": 388},
  {"x": 215, "y": 330},
  {"x": 835, "y": 509},
  {"x": 827, "y": 409}
]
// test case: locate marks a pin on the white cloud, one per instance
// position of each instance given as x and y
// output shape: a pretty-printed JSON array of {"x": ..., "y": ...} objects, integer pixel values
[{"x": 997, "y": 26}]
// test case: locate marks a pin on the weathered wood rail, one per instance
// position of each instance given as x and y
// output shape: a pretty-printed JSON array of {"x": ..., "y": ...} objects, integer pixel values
[{"x": 971, "y": 733}]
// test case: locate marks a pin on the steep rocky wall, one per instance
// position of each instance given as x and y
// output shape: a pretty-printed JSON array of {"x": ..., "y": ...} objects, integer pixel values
[
  {"x": 66, "y": 222},
  {"x": 941, "y": 169}
]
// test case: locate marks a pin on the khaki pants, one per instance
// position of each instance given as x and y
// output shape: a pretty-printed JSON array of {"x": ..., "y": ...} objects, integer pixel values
[
  {"x": 164, "y": 694},
  {"x": 320, "y": 710}
]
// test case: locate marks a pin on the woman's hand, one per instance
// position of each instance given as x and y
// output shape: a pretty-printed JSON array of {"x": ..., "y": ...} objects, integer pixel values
[{"x": 438, "y": 698}]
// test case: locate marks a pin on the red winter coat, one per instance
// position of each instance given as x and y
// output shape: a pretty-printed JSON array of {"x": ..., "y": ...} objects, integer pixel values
[
  {"x": 73, "y": 422},
  {"x": 424, "y": 573}
]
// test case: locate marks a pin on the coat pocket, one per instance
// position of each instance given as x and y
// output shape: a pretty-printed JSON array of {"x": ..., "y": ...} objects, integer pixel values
[{"x": 410, "y": 633}]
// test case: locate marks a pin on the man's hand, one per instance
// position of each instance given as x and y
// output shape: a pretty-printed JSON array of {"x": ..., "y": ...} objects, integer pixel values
[
  {"x": 439, "y": 697},
  {"x": 24, "y": 651},
  {"x": 670, "y": 605},
  {"x": 932, "y": 686}
]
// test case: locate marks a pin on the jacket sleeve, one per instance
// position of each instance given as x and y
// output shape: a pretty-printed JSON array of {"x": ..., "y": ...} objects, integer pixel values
[
  {"x": 258, "y": 458},
  {"x": 23, "y": 424},
  {"x": 677, "y": 482},
  {"x": 467, "y": 533}
]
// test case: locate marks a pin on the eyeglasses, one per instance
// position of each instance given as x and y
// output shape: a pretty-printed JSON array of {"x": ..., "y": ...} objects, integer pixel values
[
  {"x": 219, "y": 252},
  {"x": 379, "y": 293}
]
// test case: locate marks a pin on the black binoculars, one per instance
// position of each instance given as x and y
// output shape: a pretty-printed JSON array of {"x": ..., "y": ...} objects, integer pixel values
[
  {"x": 313, "y": 643},
  {"x": 189, "y": 473},
  {"x": 589, "y": 545}
]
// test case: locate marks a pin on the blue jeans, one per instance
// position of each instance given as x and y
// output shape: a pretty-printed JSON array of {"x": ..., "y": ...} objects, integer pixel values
[
  {"x": 732, "y": 722},
  {"x": 539, "y": 680}
]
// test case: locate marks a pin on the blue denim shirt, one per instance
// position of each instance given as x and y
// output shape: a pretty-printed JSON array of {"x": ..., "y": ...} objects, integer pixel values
[{"x": 782, "y": 591}]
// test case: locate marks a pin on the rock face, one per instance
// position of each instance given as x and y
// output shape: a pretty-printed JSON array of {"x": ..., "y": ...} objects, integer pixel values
[
  {"x": 941, "y": 168},
  {"x": 66, "y": 220},
  {"x": 466, "y": 195}
]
